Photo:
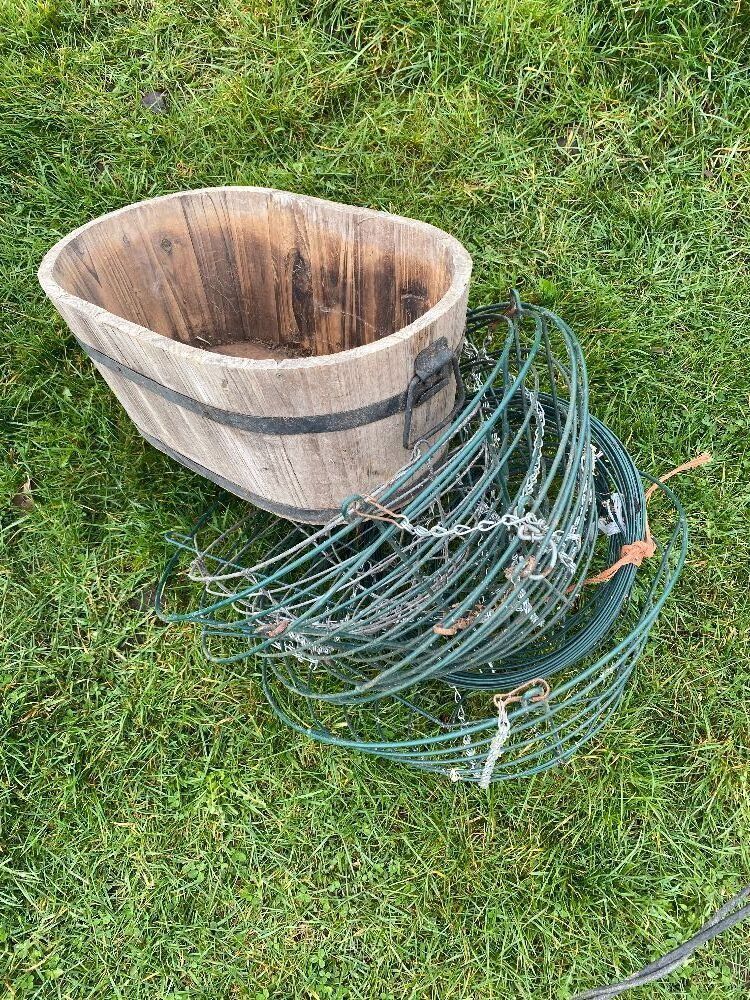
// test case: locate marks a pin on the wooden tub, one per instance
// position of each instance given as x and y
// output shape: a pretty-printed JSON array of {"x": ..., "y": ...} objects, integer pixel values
[{"x": 275, "y": 343}]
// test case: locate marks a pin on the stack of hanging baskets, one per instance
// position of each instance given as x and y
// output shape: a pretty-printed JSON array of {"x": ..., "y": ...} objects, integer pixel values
[{"x": 461, "y": 574}]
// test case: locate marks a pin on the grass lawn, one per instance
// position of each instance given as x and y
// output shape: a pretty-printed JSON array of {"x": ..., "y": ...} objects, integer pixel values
[{"x": 161, "y": 834}]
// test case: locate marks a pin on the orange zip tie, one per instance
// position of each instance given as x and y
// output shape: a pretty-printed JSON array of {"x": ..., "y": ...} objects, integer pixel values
[
  {"x": 634, "y": 553},
  {"x": 278, "y": 629},
  {"x": 511, "y": 697},
  {"x": 462, "y": 623},
  {"x": 391, "y": 516}
]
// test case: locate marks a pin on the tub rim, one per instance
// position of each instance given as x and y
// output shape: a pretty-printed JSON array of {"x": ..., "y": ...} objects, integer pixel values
[{"x": 460, "y": 258}]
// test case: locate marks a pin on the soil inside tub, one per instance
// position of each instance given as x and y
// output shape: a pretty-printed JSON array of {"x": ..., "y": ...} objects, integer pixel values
[{"x": 259, "y": 350}]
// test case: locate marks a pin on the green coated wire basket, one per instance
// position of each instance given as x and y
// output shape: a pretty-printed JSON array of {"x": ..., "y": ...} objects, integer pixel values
[
  {"x": 561, "y": 695},
  {"x": 389, "y": 629}
]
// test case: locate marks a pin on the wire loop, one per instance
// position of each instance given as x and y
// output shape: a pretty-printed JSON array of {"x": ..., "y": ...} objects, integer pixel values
[{"x": 462, "y": 577}]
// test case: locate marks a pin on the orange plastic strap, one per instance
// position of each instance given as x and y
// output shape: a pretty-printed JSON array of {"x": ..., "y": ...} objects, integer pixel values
[{"x": 634, "y": 553}]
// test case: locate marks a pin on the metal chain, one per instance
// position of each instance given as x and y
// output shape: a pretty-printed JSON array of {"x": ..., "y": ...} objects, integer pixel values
[{"x": 355, "y": 615}]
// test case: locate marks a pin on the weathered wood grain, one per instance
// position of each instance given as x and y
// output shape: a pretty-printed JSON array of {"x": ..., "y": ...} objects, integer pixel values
[{"x": 262, "y": 302}]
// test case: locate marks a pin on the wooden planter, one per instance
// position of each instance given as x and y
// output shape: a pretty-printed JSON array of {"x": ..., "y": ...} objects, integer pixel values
[{"x": 275, "y": 343}]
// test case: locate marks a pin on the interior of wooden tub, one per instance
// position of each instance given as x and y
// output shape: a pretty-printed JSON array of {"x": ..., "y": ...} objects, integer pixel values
[{"x": 259, "y": 274}]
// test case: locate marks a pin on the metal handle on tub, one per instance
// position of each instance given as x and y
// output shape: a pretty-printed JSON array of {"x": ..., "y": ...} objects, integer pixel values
[{"x": 432, "y": 371}]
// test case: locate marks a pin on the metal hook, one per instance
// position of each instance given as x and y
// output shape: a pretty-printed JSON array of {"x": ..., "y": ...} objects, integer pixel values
[{"x": 517, "y": 694}]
